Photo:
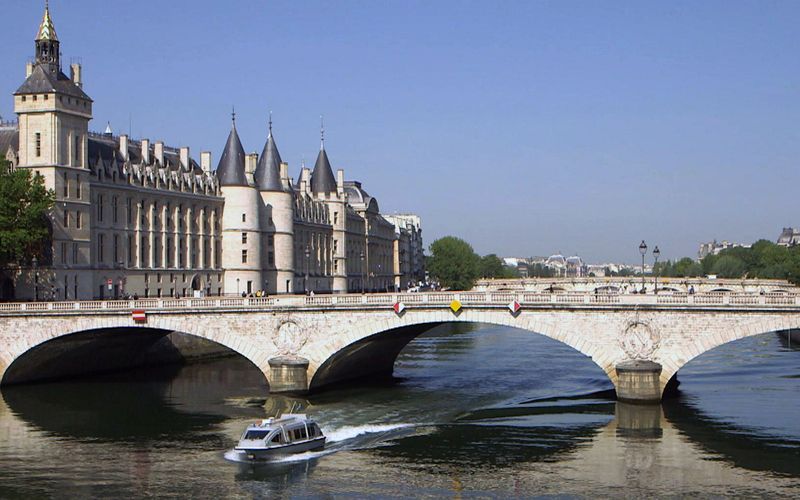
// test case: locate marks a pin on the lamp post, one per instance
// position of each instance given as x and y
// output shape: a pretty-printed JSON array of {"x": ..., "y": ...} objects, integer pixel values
[
  {"x": 656, "y": 253},
  {"x": 362, "y": 272},
  {"x": 643, "y": 251},
  {"x": 35, "y": 263},
  {"x": 308, "y": 260}
]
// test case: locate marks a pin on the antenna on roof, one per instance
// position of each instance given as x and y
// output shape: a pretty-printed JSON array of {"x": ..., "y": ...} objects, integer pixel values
[{"x": 321, "y": 132}]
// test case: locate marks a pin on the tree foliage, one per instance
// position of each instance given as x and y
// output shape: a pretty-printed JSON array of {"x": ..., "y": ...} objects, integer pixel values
[
  {"x": 454, "y": 263},
  {"x": 24, "y": 223},
  {"x": 764, "y": 259},
  {"x": 492, "y": 266}
]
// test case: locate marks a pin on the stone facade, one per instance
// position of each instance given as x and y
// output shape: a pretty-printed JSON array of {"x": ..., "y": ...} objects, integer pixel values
[{"x": 140, "y": 217}]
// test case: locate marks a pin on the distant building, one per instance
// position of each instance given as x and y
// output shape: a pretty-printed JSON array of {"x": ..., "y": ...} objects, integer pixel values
[
  {"x": 409, "y": 259},
  {"x": 715, "y": 247},
  {"x": 789, "y": 237}
]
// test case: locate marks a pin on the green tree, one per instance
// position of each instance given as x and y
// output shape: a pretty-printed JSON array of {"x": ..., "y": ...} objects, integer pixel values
[
  {"x": 729, "y": 266},
  {"x": 454, "y": 263},
  {"x": 24, "y": 224},
  {"x": 491, "y": 266}
]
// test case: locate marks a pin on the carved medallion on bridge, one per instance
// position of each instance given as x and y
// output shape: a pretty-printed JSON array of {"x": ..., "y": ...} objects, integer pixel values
[
  {"x": 639, "y": 339},
  {"x": 289, "y": 338}
]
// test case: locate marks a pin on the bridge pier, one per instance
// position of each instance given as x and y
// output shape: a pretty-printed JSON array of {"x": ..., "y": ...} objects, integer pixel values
[
  {"x": 638, "y": 381},
  {"x": 288, "y": 374}
]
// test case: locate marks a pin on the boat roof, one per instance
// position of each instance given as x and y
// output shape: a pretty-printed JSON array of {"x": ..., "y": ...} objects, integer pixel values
[{"x": 285, "y": 419}]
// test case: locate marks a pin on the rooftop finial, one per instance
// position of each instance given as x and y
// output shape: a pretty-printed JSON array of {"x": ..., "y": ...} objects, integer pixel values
[
  {"x": 303, "y": 161},
  {"x": 233, "y": 115},
  {"x": 270, "y": 122},
  {"x": 321, "y": 132}
]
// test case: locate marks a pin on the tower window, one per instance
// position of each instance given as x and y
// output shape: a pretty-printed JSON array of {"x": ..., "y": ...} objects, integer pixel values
[
  {"x": 244, "y": 256},
  {"x": 35, "y": 97},
  {"x": 24, "y": 98},
  {"x": 78, "y": 219},
  {"x": 38, "y": 144},
  {"x": 100, "y": 247},
  {"x": 244, "y": 238},
  {"x": 66, "y": 186},
  {"x": 78, "y": 186},
  {"x": 66, "y": 218},
  {"x": 46, "y": 97},
  {"x": 244, "y": 217}
]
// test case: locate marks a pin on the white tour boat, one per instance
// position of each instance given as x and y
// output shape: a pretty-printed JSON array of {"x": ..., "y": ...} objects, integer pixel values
[{"x": 290, "y": 433}]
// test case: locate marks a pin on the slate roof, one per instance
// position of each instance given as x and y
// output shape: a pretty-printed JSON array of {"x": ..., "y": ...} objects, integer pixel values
[
  {"x": 8, "y": 138},
  {"x": 322, "y": 179},
  {"x": 42, "y": 81},
  {"x": 230, "y": 170},
  {"x": 268, "y": 172}
]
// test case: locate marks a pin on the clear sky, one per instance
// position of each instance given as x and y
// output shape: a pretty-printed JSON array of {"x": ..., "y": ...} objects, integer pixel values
[{"x": 526, "y": 128}]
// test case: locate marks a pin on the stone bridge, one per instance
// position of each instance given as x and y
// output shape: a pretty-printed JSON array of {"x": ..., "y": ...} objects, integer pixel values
[{"x": 305, "y": 343}]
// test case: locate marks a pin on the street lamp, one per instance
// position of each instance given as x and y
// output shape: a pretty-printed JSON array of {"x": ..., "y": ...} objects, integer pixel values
[
  {"x": 643, "y": 251},
  {"x": 362, "y": 272},
  {"x": 35, "y": 263},
  {"x": 308, "y": 260},
  {"x": 656, "y": 253}
]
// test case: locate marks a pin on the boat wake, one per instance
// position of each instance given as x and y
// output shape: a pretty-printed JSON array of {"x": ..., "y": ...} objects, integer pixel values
[{"x": 341, "y": 439}]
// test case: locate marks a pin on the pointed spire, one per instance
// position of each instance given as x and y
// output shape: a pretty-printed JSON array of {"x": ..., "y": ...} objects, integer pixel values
[
  {"x": 108, "y": 130},
  {"x": 268, "y": 170},
  {"x": 321, "y": 132},
  {"x": 322, "y": 179},
  {"x": 230, "y": 170},
  {"x": 47, "y": 30}
]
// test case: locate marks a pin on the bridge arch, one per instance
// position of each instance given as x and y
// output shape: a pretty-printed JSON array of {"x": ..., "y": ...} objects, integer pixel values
[
  {"x": 378, "y": 343},
  {"x": 16, "y": 352},
  {"x": 726, "y": 334}
]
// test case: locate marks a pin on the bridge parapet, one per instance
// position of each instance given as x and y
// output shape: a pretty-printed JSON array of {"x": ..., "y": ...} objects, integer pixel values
[{"x": 428, "y": 300}]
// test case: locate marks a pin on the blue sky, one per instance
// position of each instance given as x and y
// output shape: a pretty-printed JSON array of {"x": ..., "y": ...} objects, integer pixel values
[{"x": 526, "y": 128}]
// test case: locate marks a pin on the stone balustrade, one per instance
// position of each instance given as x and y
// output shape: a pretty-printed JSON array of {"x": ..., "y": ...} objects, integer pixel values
[{"x": 428, "y": 300}]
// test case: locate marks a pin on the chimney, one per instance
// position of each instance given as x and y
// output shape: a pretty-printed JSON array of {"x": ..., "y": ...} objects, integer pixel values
[
  {"x": 75, "y": 74},
  {"x": 340, "y": 182},
  {"x": 305, "y": 185},
  {"x": 28, "y": 69},
  {"x": 123, "y": 146},
  {"x": 205, "y": 161},
  {"x": 284, "y": 172},
  {"x": 185, "y": 158},
  {"x": 146, "y": 151},
  {"x": 250, "y": 162},
  {"x": 159, "y": 152}
]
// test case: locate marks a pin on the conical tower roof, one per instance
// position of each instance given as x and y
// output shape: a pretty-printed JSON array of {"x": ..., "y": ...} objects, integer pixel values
[
  {"x": 268, "y": 171},
  {"x": 47, "y": 30},
  {"x": 322, "y": 179},
  {"x": 230, "y": 170}
]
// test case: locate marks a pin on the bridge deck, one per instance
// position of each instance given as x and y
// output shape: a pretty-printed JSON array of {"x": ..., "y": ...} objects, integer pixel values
[{"x": 783, "y": 301}]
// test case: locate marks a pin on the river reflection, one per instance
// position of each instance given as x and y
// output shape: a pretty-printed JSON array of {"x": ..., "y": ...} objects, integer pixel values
[{"x": 442, "y": 429}]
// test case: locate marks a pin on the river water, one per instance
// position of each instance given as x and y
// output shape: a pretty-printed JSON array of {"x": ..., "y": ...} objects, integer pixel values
[{"x": 476, "y": 411}]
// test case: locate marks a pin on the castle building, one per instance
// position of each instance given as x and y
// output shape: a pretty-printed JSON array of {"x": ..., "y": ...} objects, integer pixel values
[{"x": 138, "y": 218}]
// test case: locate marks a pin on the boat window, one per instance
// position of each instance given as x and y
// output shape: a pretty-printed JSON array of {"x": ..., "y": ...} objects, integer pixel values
[
  {"x": 303, "y": 433},
  {"x": 276, "y": 438},
  {"x": 315, "y": 430},
  {"x": 256, "y": 434}
]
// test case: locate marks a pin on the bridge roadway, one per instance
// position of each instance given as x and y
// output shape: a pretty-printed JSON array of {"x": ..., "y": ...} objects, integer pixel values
[{"x": 303, "y": 343}]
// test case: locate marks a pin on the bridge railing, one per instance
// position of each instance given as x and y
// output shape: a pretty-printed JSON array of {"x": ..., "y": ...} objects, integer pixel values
[{"x": 433, "y": 299}]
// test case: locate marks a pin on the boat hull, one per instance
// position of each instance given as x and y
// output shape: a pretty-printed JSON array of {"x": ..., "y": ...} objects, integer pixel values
[{"x": 280, "y": 451}]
